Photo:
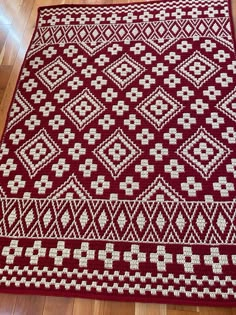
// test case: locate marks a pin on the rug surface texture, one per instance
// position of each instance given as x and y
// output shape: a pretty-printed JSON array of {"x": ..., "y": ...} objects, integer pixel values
[{"x": 118, "y": 160}]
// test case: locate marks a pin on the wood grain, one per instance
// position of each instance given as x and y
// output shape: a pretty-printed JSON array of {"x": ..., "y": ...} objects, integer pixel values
[
  {"x": 17, "y": 21},
  {"x": 150, "y": 309},
  {"x": 84, "y": 306},
  {"x": 7, "y": 303},
  {"x": 58, "y": 306},
  {"x": 28, "y": 305}
]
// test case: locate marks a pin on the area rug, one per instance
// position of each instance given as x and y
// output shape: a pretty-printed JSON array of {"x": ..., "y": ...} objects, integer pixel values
[{"x": 118, "y": 159}]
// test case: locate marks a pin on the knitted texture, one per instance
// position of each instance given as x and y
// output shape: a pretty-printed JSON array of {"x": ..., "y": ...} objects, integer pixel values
[{"x": 118, "y": 160}]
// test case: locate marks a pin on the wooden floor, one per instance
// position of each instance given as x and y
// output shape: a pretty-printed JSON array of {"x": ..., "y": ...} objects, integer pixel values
[{"x": 17, "y": 21}]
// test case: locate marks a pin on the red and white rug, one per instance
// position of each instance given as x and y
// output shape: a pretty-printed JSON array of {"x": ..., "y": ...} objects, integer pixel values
[{"x": 118, "y": 160}]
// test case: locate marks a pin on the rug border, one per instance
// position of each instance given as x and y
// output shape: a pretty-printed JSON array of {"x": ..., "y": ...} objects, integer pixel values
[
  {"x": 112, "y": 4},
  {"x": 233, "y": 27},
  {"x": 119, "y": 298}
]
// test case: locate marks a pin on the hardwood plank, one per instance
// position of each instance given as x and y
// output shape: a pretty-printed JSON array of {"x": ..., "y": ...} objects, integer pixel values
[
  {"x": 26, "y": 7},
  {"x": 216, "y": 311},
  {"x": 5, "y": 16},
  {"x": 2, "y": 52},
  {"x": 11, "y": 47},
  {"x": 7, "y": 304},
  {"x": 4, "y": 30},
  {"x": 58, "y": 306},
  {"x": 1, "y": 94},
  {"x": 6, "y": 100},
  {"x": 5, "y": 75},
  {"x": 234, "y": 15},
  {"x": 16, "y": 31},
  {"x": 83, "y": 306},
  {"x": 182, "y": 308},
  {"x": 113, "y": 308},
  {"x": 150, "y": 309},
  {"x": 183, "y": 312},
  {"x": 29, "y": 304}
]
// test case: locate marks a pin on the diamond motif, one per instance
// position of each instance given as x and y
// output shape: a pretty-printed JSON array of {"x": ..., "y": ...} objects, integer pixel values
[
  {"x": 84, "y": 108},
  {"x": 12, "y": 218},
  {"x": 180, "y": 222},
  {"x": 65, "y": 219},
  {"x": 84, "y": 219},
  {"x": 222, "y": 223},
  {"x": 55, "y": 73},
  {"x": 37, "y": 152},
  {"x": 102, "y": 219},
  {"x": 160, "y": 221},
  {"x": 203, "y": 152},
  {"x": 19, "y": 109},
  {"x": 197, "y": 69},
  {"x": 121, "y": 221},
  {"x": 124, "y": 71},
  {"x": 201, "y": 222},
  {"x": 29, "y": 218},
  {"x": 117, "y": 152},
  {"x": 159, "y": 107},
  {"x": 228, "y": 105}
]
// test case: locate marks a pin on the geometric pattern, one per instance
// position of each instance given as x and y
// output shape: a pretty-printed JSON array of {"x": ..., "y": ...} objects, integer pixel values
[
  {"x": 197, "y": 69},
  {"x": 161, "y": 46},
  {"x": 20, "y": 108},
  {"x": 124, "y": 71},
  {"x": 83, "y": 109},
  {"x": 159, "y": 190},
  {"x": 228, "y": 105},
  {"x": 82, "y": 269},
  {"x": 55, "y": 73},
  {"x": 38, "y": 152},
  {"x": 161, "y": 221},
  {"x": 92, "y": 47},
  {"x": 159, "y": 108},
  {"x": 118, "y": 160},
  {"x": 203, "y": 152},
  {"x": 70, "y": 189},
  {"x": 158, "y": 30},
  {"x": 117, "y": 152}
]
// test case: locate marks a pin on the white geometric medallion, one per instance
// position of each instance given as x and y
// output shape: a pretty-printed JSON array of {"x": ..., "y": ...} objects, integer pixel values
[
  {"x": 228, "y": 105},
  {"x": 117, "y": 152},
  {"x": 37, "y": 152},
  {"x": 124, "y": 71},
  {"x": 84, "y": 108},
  {"x": 203, "y": 152},
  {"x": 159, "y": 107},
  {"x": 55, "y": 73},
  {"x": 197, "y": 69}
]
